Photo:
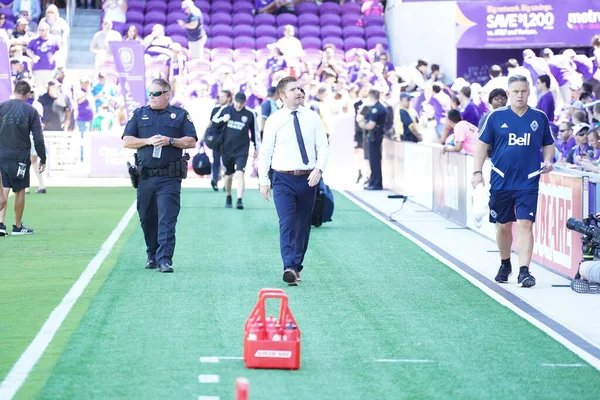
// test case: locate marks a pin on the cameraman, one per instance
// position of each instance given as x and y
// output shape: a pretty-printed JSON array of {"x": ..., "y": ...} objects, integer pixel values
[{"x": 18, "y": 120}]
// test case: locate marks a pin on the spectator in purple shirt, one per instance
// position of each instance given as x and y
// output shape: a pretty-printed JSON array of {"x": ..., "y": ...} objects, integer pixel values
[
  {"x": 565, "y": 141},
  {"x": 42, "y": 51},
  {"x": 563, "y": 69},
  {"x": 585, "y": 66},
  {"x": 441, "y": 104},
  {"x": 546, "y": 100},
  {"x": 468, "y": 110},
  {"x": 535, "y": 65},
  {"x": 85, "y": 106}
]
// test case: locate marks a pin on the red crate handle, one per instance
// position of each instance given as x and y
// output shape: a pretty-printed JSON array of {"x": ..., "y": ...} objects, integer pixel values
[
  {"x": 284, "y": 310},
  {"x": 255, "y": 310}
]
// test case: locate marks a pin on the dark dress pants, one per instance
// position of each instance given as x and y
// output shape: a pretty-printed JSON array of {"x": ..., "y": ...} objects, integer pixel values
[{"x": 375, "y": 142}]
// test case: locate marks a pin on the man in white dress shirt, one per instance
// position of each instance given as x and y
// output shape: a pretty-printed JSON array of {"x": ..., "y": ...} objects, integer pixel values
[{"x": 295, "y": 147}]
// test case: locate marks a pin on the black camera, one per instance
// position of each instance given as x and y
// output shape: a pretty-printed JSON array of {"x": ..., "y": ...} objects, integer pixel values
[{"x": 590, "y": 234}]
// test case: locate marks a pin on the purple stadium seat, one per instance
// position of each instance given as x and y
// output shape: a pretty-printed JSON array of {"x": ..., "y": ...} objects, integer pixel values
[
  {"x": 135, "y": 16},
  {"x": 265, "y": 19},
  {"x": 286, "y": 19},
  {"x": 119, "y": 26},
  {"x": 311, "y": 43},
  {"x": 307, "y": 8},
  {"x": 147, "y": 29},
  {"x": 329, "y": 31},
  {"x": 244, "y": 55},
  {"x": 350, "y": 8},
  {"x": 156, "y": 17},
  {"x": 334, "y": 40},
  {"x": 221, "y": 42},
  {"x": 309, "y": 31},
  {"x": 373, "y": 20},
  {"x": 375, "y": 31},
  {"x": 156, "y": 6},
  {"x": 330, "y": 19},
  {"x": 353, "y": 31},
  {"x": 182, "y": 40},
  {"x": 354, "y": 43},
  {"x": 242, "y": 19},
  {"x": 172, "y": 17},
  {"x": 174, "y": 29},
  {"x": 372, "y": 42},
  {"x": 265, "y": 30},
  {"x": 243, "y": 42},
  {"x": 221, "y": 53},
  {"x": 9, "y": 24},
  {"x": 203, "y": 5},
  {"x": 173, "y": 6},
  {"x": 263, "y": 41},
  {"x": 221, "y": 6},
  {"x": 351, "y": 19},
  {"x": 242, "y": 7},
  {"x": 206, "y": 18},
  {"x": 308, "y": 19},
  {"x": 329, "y": 8},
  {"x": 243, "y": 30},
  {"x": 220, "y": 30},
  {"x": 136, "y": 6},
  {"x": 221, "y": 18},
  {"x": 280, "y": 31}
]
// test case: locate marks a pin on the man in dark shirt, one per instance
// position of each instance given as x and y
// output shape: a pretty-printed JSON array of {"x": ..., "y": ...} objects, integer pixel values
[
  {"x": 410, "y": 132},
  {"x": 234, "y": 149},
  {"x": 374, "y": 125},
  {"x": 224, "y": 100},
  {"x": 18, "y": 70},
  {"x": 57, "y": 108},
  {"x": 18, "y": 120},
  {"x": 194, "y": 29}
]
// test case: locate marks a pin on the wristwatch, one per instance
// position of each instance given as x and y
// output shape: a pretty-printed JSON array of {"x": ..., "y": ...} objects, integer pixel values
[{"x": 172, "y": 142}]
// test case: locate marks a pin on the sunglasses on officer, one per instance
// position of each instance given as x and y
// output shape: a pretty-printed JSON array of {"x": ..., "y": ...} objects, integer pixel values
[{"x": 158, "y": 94}]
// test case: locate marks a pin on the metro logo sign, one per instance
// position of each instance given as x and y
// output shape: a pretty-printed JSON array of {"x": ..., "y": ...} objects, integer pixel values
[{"x": 554, "y": 245}]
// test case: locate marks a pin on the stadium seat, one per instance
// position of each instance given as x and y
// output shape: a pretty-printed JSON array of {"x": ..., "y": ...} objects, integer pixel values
[
  {"x": 372, "y": 20},
  {"x": 133, "y": 16},
  {"x": 220, "y": 30},
  {"x": 243, "y": 7},
  {"x": 173, "y": 6},
  {"x": 307, "y": 19},
  {"x": 350, "y": 8},
  {"x": 263, "y": 41},
  {"x": 311, "y": 43},
  {"x": 221, "y": 6},
  {"x": 174, "y": 29},
  {"x": 286, "y": 19},
  {"x": 147, "y": 29},
  {"x": 329, "y": 9},
  {"x": 353, "y": 31},
  {"x": 174, "y": 16},
  {"x": 354, "y": 43},
  {"x": 221, "y": 53},
  {"x": 331, "y": 31},
  {"x": 307, "y": 8},
  {"x": 244, "y": 55},
  {"x": 156, "y": 6},
  {"x": 334, "y": 40},
  {"x": 136, "y": 6},
  {"x": 308, "y": 31},
  {"x": 372, "y": 42},
  {"x": 221, "y": 18},
  {"x": 203, "y": 5},
  {"x": 242, "y": 19},
  {"x": 182, "y": 40},
  {"x": 265, "y": 30},
  {"x": 243, "y": 30},
  {"x": 222, "y": 42},
  {"x": 351, "y": 20},
  {"x": 243, "y": 42},
  {"x": 265, "y": 19},
  {"x": 330, "y": 19},
  {"x": 155, "y": 17}
]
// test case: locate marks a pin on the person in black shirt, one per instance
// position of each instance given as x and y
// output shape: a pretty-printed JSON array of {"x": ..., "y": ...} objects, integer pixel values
[
  {"x": 410, "y": 132},
  {"x": 57, "y": 108},
  {"x": 234, "y": 149},
  {"x": 224, "y": 100},
  {"x": 18, "y": 120},
  {"x": 159, "y": 132},
  {"x": 374, "y": 124},
  {"x": 361, "y": 148}
]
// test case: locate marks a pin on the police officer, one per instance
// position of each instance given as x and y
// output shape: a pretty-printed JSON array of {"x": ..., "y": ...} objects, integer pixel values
[
  {"x": 374, "y": 124},
  {"x": 159, "y": 132}
]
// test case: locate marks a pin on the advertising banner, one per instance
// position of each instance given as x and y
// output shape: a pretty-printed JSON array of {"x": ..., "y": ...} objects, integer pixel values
[
  {"x": 107, "y": 156},
  {"x": 520, "y": 24},
  {"x": 129, "y": 61},
  {"x": 449, "y": 186},
  {"x": 418, "y": 176},
  {"x": 477, "y": 223},
  {"x": 554, "y": 245},
  {"x": 392, "y": 165},
  {"x": 63, "y": 151},
  {"x": 5, "y": 76}
]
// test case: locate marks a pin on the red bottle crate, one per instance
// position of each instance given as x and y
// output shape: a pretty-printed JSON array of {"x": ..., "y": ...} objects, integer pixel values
[{"x": 271, "y": 346}]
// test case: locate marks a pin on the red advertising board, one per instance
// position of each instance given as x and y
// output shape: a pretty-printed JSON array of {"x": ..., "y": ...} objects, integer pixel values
[{"x": 555, "y": 246}]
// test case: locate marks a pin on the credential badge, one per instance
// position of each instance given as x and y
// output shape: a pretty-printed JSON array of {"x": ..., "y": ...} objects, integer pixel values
[{"x": 173, "y": 116}]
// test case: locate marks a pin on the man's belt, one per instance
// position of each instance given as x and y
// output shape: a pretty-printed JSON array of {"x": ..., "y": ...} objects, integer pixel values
[
  {"x": 296, "y": 172},
  {"x": 151, "y": 172}
]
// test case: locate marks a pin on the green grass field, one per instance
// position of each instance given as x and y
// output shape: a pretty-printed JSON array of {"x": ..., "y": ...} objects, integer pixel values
[{"x": 137, "y": 334}]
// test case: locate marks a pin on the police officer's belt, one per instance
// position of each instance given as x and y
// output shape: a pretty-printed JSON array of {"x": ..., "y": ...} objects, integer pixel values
[
  {"x": 150, "y": 172},
  {"x": 296, "y": 172}
]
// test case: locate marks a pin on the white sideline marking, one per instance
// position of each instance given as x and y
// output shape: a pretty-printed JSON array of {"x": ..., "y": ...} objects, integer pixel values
[
  {"x": 564, "y": 365},
  {"x": 22, "y": 368},
  {"x": 208, "y": 378},
  {"x": 593, "y": 361},
  {"x": 209, "y": 398},
  {"x": 392, "y": 360},
  {"x": 217, "y": 359}
]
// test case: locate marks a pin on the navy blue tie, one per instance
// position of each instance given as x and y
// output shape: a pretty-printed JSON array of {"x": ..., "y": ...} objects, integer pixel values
[{"x": 299, "y": 138}]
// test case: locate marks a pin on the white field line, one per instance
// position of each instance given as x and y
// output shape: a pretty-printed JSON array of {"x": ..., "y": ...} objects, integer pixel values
[
  {"x": 208, "y": 378},
  {"x": 22, "y": 368},
  {"x": 217, "y": 359},
  {"x": 593, "y": 361},
  {"x": 401, "y": 360},
  {"x": 209, "y": 398},
  {"x": 564, "y": 365}
]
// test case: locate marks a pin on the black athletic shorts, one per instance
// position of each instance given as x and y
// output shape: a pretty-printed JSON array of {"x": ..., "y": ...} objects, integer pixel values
[
  {"x": 234, "y": 163},
  {"x": 358, "y": 139},
  {"x": 9, "y": 169}
]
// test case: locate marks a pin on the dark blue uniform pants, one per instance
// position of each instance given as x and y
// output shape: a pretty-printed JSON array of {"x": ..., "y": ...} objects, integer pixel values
[
  {"x": 158, "y": 204},
  {"x": 294, "y": 201},
  {"x": 375, "y": 142},
  {"x": 216, "y": 166}
]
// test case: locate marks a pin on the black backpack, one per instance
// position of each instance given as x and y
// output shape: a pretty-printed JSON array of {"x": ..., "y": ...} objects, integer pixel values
[
  {"x": 214, "y": 135},
  {"x": 323, "y": 209},
  {"x": 201, "y": 163}
]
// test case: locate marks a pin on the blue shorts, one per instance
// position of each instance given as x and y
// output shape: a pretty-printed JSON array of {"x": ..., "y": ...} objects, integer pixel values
[{"x": 511, "y": 205}]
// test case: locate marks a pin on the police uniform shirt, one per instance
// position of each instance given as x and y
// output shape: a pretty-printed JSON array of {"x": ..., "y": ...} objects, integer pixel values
[
  {"x": 378, "y": 115},
  {"x": 516, "y": 142},
  {"x": 173, "y": 122},
  {"x": 235, "y": 136},
  {"x": 280, "y": 149},
  {"x": 406, "y": 120}
]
